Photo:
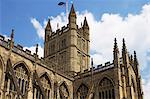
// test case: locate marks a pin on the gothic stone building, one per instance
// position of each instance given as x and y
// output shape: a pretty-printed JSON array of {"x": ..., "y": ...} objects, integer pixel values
[{"x": 64, "y": 72}]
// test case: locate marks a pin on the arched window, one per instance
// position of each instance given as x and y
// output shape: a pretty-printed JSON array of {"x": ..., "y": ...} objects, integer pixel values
[
  {"x": 63, "y": 90},
  {"x": 106, "y": 89},
  {"x": 12, "y": 81},
  {"x": 46, "y": 85},
  {"x": 82, "y": 91},
  {"x": 22, "y": 75}
]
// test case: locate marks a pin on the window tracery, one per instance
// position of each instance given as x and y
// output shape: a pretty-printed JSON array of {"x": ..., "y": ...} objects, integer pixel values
[
  {"x": 64, "y": 93},
  {"x": 22, "y": 76},
  {"x": 82, "y": 91},
  {"x": 46, "y": 85},
  {"x": 106, "y": 89}
]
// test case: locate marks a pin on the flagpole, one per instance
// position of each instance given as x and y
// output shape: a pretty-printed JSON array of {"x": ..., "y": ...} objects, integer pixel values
[{"x": 67, "y": 10}]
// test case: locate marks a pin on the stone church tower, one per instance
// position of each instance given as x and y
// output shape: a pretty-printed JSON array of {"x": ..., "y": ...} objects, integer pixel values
[
  {"x": 64, "y": 72},
  {"x": 68, "y": 48}
]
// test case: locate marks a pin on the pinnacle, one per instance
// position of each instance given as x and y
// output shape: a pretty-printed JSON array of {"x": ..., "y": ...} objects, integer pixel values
[
  {"x": 85, "y": 22},
  {"x": 48, "y": 26},
  {"x": 124, "y": 45},
  {"x": 115, "y": 44},
  {"x": 12, "y": 34},
  {"x": 72, "y": 11},
  {"x": 135, "y": 55}
]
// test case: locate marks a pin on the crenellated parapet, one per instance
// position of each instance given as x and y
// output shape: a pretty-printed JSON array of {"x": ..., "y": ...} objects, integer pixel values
[
  {"x": 96, "y": 69},
  {"x": 18, "y": 49},
  {"x": 59, "y": 32}
]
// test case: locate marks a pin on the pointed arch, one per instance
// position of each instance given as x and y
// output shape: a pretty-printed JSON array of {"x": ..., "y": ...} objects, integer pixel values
[
  {"x": 82, "y": 91},
  {"x": 63, "y": 90},
  {"x": 106, "y": 76},
  {"x": 22, "y": 73},
  {"x": 46, "y": 84},
  {"x": 46, "y": 75},
  {"x": 106, "y": 88},
  {"x": 24, "y": 65}
]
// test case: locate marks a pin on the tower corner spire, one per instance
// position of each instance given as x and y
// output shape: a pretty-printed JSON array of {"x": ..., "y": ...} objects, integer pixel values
[
  {"x": 85, "y": 24},
  {"x": 48, "y": 26},
  {"x": 72, "y": 12}
]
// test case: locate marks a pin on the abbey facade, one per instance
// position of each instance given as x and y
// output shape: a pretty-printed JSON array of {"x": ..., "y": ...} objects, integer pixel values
[{"x": 64, "y": 72}]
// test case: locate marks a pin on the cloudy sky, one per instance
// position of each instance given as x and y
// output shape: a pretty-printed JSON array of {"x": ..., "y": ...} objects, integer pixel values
[{"x": 129, "y": 19}]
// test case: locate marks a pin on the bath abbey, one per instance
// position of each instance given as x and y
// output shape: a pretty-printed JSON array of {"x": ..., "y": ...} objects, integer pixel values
[{"x": 65, "y": 70}]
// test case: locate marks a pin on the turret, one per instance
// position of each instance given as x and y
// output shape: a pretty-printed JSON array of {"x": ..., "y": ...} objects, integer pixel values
[
  {"x": 85, "y": 24},
  {"x": 116, "y": 53},
  {"x": 86, "y": 29},
  {"x": 72, "y": 18},
  {"x": 48, "y": 30}
]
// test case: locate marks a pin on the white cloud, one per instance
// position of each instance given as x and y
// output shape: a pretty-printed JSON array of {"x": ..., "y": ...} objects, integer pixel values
[
  {"x": 38, "y": 27},
  {"x": 134, "y": 28},
  {"x": 146, "y": 88},
  {"x": 32, "y": 49}
]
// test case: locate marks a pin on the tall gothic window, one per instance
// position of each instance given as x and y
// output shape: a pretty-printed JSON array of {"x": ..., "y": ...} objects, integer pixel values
[
  {"x": 82, "y": 91},
  {"x": 22, "y": 77},
  {"x": 46, "y": 84},
  {"x": 18, "y": 80},
  {"x": 63, "y": 90},
  {"x": 106, "y": 89}
]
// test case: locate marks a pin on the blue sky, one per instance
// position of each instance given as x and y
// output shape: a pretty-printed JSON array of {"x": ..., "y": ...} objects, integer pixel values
[
  {"x": 129, "y": 19},
  {"x": 17, "y": 13}
]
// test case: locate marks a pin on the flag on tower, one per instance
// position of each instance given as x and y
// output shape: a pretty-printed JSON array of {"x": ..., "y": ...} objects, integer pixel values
[{"x": 61, "y": 3}]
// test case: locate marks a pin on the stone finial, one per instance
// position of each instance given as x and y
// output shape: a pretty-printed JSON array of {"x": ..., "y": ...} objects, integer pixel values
[
  {"x": 12, "y": 34},
  {"x": 135, "y": 58},
  {"x": 72, "y": 11},
  {"x": 124, "y": 49},
  {"x": 115, "y": 44},
  {"x": 85, "y": 24},
  {"x": 48, "y": 26},
  {"x": 36, "y": 49},
  {"x": 12, "y": 39}
]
